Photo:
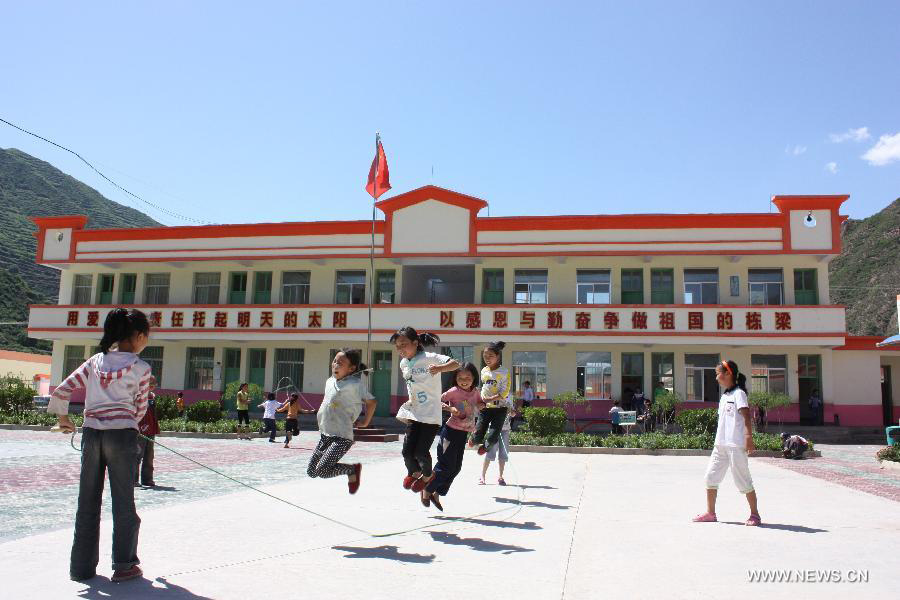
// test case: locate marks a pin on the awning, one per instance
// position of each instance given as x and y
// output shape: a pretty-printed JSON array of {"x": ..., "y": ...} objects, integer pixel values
[{"x": 894, "y": 340}]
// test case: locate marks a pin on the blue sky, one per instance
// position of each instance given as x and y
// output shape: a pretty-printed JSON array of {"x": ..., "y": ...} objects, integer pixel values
[{"x": 267, "y": 111}]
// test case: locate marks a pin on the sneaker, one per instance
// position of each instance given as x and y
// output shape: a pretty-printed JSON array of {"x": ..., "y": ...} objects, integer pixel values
[
  {"x": 501, "y": 481},
  {"x": 126, "y": 574},
  {"x": 408, "y": 481},
  {"x": 705, "y": 518},
  {"x": 354, "y": 485},
  {"x": 482, "y": 450},
  {"x": 753, "y": 521}
]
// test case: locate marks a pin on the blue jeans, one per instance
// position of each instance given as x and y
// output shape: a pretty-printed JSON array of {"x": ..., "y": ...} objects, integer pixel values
[{"x": 103, "y": 451}]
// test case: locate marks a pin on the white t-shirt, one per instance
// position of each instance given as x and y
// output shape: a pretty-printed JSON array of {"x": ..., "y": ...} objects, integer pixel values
[
  {"x": 424, "y": 404},
  {"x": 269, "y": 407},
  {"x": 731, "y": 430},
  {"x": 341, "y": 406}
]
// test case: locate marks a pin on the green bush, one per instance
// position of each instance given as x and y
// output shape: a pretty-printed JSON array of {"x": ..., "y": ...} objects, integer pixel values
[
  {"x": 891, "y": 453},
  {"x": 653, "y": 440},
  {"x": 545, "y": 420},
  {"x": 664, "y": 404},
  {"x": 205, "y": 411},
  {"x": 16, "y": 397},
  {"x": 166, "y": 408},
  {"x": 703, "y": 420}
]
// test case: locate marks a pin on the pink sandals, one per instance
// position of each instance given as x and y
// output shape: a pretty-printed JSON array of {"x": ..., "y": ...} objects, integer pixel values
[
  {"x": 753, "y": 521},
  {"x": 705, "y": 518}
]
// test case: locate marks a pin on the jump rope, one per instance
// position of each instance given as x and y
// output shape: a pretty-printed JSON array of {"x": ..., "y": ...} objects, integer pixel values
[{"x": 448, "y": 521}]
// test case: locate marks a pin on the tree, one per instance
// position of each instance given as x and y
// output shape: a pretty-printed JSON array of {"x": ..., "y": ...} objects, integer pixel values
[
  {"x": 16, "y": 396},
  {"x": 571, "y": 400},
  {"x": 664, "y": 404}
]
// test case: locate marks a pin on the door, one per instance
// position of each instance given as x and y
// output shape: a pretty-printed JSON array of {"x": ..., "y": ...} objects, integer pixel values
[
  {"x": 237, "y": 289},
  {"x": 256, "y": 367},
  {"x": 662, "y": 286},
  {"x": 105, "y": 289},
  {"x": 231, "y": 371},
  {"x": 262, "y": 287},
  {"x": 127, "y": 284},
  {"x": 492, "y": 286},
  {"x": 381, "y": 383},
  {"x": 887, "y": 402},
  {"x": 632, "y": 377},
  {"x": 809, "y": 383}
]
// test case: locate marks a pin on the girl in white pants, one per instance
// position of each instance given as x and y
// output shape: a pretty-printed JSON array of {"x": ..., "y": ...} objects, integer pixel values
[{"x": 734, "y": 441}]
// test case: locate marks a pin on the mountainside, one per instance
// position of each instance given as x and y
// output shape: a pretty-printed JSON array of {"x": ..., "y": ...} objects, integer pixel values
[
  {"x": 31, "y": 187},
  {"x": 866, "y": 276}
]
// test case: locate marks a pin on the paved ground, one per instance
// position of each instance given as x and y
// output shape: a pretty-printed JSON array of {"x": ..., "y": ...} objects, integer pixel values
[{"x": 570, "y": 526}]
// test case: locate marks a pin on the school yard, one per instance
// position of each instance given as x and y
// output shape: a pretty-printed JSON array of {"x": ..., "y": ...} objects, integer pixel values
[{"x": 567, "y": 526}]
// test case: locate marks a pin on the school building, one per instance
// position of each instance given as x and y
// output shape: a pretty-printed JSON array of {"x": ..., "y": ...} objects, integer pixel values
[{"x": 605, "y": 304}]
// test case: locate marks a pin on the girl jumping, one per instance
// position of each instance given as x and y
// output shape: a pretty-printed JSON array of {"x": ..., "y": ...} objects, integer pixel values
[
  {"x": 422, "y": 412},
  {"x": 345, "y": 394},
  {"x": 494, "y": 397},
  {"x": 117, "y": 388},
  {"x": 734, "y": 441},
  {"x": 461, "y": 402}
]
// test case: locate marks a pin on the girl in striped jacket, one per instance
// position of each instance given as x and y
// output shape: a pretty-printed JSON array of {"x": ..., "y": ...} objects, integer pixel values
[{"x": 117, "y": 387}]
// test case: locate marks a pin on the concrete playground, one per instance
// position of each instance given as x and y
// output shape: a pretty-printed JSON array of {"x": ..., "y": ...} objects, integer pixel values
[{"x": 567, "y": 526}]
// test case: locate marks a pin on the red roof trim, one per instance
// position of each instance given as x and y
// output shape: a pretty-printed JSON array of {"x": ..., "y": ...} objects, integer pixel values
[
  {"x": 430, "y": 192},
  {"x": 866, "y": 342}
]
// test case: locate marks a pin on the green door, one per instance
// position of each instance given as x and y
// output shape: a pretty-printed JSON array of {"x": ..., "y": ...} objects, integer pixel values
[
  {"x": 237, "y": 289},
  {"x": 105, "y": 289},
  {"x": 262, "y": 288},
  {"x": 806, "y": 289},
  {"x": 632, "y": 286},
  {"x": 492, "y": 286},
  {"x": 232, "y": 370},
  {"x": 127, "y": 285},
  {"x": 662, "y": 286},
  {"x": 381, "y": 383},
  {"x": 256, "y": 367}
]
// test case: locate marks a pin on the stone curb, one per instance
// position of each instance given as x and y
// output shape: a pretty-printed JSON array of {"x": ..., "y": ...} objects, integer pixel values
[
  {"x": 179, "y": 434},
  {"x": 890, "y": 465},
  {"x": 644, "y": 451}
]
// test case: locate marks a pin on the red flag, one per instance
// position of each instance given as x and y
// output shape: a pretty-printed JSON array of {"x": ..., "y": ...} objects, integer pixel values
[{"x": 379, "y": 178}]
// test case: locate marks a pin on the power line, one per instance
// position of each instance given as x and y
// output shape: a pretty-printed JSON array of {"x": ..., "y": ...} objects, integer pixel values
[{"x": 100, "y": 173}]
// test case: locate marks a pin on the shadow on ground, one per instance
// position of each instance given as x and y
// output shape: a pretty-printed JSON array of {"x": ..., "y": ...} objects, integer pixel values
[
  {"x": 531, "y": 525},
  {"x": 385, "y": 552},
  {"x": 531, "y": 503},
  {"x": 476, "y": 543},
  {"x": 101, "y": 588}
]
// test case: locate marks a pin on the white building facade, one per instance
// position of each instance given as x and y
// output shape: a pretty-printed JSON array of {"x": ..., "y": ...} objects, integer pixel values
[{"x": 604, "y": 304}]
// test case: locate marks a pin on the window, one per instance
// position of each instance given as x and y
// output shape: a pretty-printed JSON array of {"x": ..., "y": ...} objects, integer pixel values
[
  {"x": 127, "y": 285},
  {"x": 766, "y": 286},
  {"x": 350, "y": 287},
  {"x": 206, "y": 288},
  {"x": 594, "y": 374},
  {"x": 700, "y": 375},
  {"x": 200, "y": 368},
  {"x": 105, "y": 288},
  {"x": 289, "y": 367},
  {"x": 153, "y": 356},
  {"x": 295, "y": 287},
  {"x": 81, "y": 289},
  {"x": 662, "y": 286},
  {"x": 73, "y": 356},
  {"x": 632, "y": 374},
  {"x": 632, "y": 286},
  {"x": 237, "y": 289},
  {"x": 384, "y": 287},
  {"x": 593, "y": 287},
  {"x": 262, "y": 287},
  {"x": 806, "y": 290},
  {"x": 156, "y": 288},
  {"x": 768, "y": 373},
  {"x": 663, "y": 366},
  {"x": 531, "y": 287},
  {"x": 492, "y": 286},
  {"x": 530, "y": 366},
  {"x": 701, "y": 286}
]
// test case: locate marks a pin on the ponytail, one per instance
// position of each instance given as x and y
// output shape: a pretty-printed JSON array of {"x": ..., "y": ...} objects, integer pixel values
[
  {"x": 740, "y": 380},
  {"x": 424, "y": 339},
  {"x": 121, "y": 324},
  {"x": 497, "y": 348}
]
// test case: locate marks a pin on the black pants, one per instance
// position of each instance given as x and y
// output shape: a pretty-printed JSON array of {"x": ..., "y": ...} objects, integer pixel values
[
  {"x": 271, "y": 429},
  {"x": 450, "y": 453},
  {"x": 244, "y": 417},
  {"x": 617, "y": 429},
  {"x": 112, "y": 451},
  {"x": 290, "y": 428},
  {"x": 324, "y": 460},
  {"x": 490, "y": 424},
  {"x": 144, "y": 464},
  {"x": 417, "y": 447}
]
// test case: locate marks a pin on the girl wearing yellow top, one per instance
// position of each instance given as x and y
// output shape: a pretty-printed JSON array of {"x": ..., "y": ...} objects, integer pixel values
[
  {"x": 243, "y": 410},
  {"x": 495, "y": 402}
]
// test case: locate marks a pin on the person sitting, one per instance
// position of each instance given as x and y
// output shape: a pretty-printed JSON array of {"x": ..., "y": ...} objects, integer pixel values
[
  {"x": 647, "y": 419},
  {"x": 793, "y": 446}
]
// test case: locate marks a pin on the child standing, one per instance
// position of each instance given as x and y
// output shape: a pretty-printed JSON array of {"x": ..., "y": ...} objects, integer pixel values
[
  {"x": 291, "y": 426},
  {"x": 422, "y": 412},
  {"x": 148, "y": 427},
  {"x": 269, "y": 407},
  {"x": 502, "y": 449},
  {"x": 734, "y": 441},
  {"x": 345, "y": 394},
  {"x": 179, "y": 404},
  {"x": 615, "y": 417},
  {"x": 242, "y": 403},
  {"x": 494, "y": 397},
  {"x": 461, "y": 401},
  {"x": 117, "y": 386}
]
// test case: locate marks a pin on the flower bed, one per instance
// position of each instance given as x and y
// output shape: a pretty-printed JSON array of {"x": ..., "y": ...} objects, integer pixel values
[{"x": 651, "y": 441}]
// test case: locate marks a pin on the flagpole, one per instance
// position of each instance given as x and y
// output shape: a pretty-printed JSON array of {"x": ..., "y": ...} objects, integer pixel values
[{"x": 372, "y": 258}]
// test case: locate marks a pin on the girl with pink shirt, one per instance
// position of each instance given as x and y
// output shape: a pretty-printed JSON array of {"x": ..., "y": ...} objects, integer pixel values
[{"x": 461, "y": 402}]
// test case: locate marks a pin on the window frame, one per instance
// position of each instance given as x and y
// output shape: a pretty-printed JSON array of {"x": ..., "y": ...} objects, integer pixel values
[
  {"x": 232, "y": 293},
  {"x": 207, "y": 287},
  {"x": 199, "y": 378},
  {"x": 656, "y": 293},
  {"x": 156, "y": 288},
  {"x": 813, "y": 293},
  {"x": 534, "y": 371},
  {"x": 303, "y": 289},
  {"x": 262, "y": 292},
  {"x": 277, "y": 374},
  {"x": 590, "y": 287},
  {"x": 762, "y": 373},
  {"x": 353, "y": 287},
  {"x": 529, "y": 292},
  {"x": 123, "y": 279},
  {"x": 80, "y": 289},
  {"x": 627, "y": 299},
  {"x": 156, "y": 362},
  {"x": 704, "y": 286},
  {"x": 582, "y": 361},
  {"x": 765, "y": 287},
  {"x": 707, "y": 376}
]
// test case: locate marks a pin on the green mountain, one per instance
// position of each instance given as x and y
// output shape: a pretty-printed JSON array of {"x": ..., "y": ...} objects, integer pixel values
[
  {"x": 31, "y": 187},
  {"x": 866, "y": 276}
]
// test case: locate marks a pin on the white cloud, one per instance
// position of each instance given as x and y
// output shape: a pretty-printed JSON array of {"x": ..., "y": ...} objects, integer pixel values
[
  {"x": 831, "y": 167},
  {"x": 856, "y": 135},
  {"x": 884, "y": 152},
  {"x": 795, "y": 151}
]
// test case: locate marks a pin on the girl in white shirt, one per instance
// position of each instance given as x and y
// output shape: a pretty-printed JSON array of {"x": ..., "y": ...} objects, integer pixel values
[
  {"x": 422, "y": 412},
  {"x": 495, "y": 402},
  {"x": 734, "y": 441}
]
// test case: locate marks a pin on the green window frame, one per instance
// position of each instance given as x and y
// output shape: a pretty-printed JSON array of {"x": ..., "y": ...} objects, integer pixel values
[
  {"x": 806, "y": 288},
  {"x": 256, "y": 366},
  {"x": 662, "y": 286},
  {"x": 262, "y": 287},
  {"x": 632, "y": 282},
  {"x": 105, "y": 284},
  {"x": 385, "y": 286},
  {"x": 492, "y": 286},
  {"x": 127, "y": 287},
  {"x": 237, "y": 288}
]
